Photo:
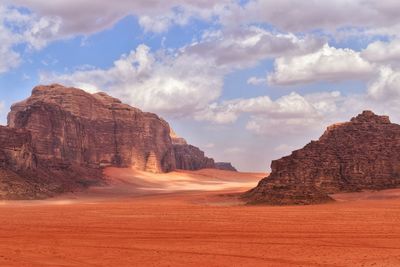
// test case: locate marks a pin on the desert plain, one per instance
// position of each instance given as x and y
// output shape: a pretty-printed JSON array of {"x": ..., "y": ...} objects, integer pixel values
[{"x": 195, "y": 218}]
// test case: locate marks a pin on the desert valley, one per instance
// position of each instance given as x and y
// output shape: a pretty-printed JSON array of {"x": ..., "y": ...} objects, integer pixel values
[
  {"x": 78, "y": 190},
  {"x": 237, "y": 133}
]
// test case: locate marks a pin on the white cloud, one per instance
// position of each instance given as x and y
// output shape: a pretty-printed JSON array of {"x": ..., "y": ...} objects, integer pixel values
[
  {"x": 386, "y": 86},
  {"x": 246, "y": 46},
  {"x": 303, "y": 16},
  {"x": 18, "y": 28},
  {"x": 256, "y": 81},
  {"x": 86, "y": 17},
  {"x": 383, "y": 52},
  {"x": 288, "y": 114},
  {"x": 185, "y": 81},
  {"x": 328, "y": 64},
  {"x": 176, "y": 85}
]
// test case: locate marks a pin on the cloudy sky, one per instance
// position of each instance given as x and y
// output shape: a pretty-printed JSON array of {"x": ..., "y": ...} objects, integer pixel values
[{"x": 246, "y": 81}]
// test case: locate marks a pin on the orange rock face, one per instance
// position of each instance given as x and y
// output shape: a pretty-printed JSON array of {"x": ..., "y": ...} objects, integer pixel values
[
  {"x": 70, "y": 126},
  {"x": 352, "y": 156},
  {"x": 60, "y": 138}
]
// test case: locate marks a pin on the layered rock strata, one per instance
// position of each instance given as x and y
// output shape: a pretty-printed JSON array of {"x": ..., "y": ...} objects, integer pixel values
[
  {"x": 188, "y": 157},
  {"x": 357, "y": 155},
  {"x": 71, "y": 126},
  {"x": 226, "y": 166}
]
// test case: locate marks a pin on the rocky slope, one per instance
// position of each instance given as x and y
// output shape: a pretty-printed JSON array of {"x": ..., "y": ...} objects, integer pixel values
[
  {"x": 227, "y": 166},
  {"x": 361, "y": 154},
  {"x": 188, "y": 157}
]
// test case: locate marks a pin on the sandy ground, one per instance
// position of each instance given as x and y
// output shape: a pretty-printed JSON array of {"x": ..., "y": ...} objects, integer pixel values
[{"x": 143, "y": 220}]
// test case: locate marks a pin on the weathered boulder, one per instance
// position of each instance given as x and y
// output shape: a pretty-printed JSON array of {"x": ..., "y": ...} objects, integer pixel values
[{"x": 361, "y": 154}]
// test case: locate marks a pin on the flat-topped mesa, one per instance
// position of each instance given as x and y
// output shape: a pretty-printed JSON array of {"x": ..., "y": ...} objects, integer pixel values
[
  {"x": 352, "y": 156},
  {"x": 71, "y": 126}
]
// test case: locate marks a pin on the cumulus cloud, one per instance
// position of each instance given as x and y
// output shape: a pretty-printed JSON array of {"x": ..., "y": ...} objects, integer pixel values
[
  {"x": 86, "y": 17},
  {"x": 288, "y": 114},
  {"x": 246, "y": 46},
  {"x": 383, "y": 52},
  {"x": 176, "y": 85},
  {"x": 303, "y": 16},
  {"x": 327, "y": 64},
  {"x": 183, "y": 81},
  {"x": 18, "y": 28},
  {"x": 386, "y": 86}
]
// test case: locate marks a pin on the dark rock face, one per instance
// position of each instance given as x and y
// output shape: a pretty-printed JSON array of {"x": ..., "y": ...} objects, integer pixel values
[
  {"x": 361, "y": 154},
  {"x": 227, "y": 166},
  {"x": 188, "y": 157},
  {"x": 22, "y": 176},
  {"x": 71, "y": 126}
]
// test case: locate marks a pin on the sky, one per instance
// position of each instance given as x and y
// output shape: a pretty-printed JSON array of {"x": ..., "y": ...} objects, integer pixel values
[{"x": 246, "y": 81}]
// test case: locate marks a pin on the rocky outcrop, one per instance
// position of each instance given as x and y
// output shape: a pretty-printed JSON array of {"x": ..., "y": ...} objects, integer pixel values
[
  {"x": 72, "y": 127},
  {"x": 188, "y": 157},
  {"x": 23, "y": 176},
  {"x": 361, "y": 154},
  {"x": 59, "y": 139},
  {"x": 226, "y": 166}
]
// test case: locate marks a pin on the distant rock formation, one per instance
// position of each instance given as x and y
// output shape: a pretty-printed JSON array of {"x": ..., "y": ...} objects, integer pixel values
[
  {"x": 227, "y": 166},
  {"x": 188, "y": 157},
  {"x": 361, "y": 154}
]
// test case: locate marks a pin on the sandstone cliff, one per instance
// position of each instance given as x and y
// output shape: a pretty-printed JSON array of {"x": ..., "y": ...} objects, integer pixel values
[
  {"x": 59, "y": 138},
  {"x": 227, "y": 166},
  {"x": 70, "y": 126},
  {"x": 361, "y": 154},
  {"x": 188, "y": 157},
  {"x": 23, "y": 176}
]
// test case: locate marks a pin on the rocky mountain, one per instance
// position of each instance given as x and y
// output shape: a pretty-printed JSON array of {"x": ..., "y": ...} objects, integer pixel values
[
  {"x": 361, "y": 154},
  {"x": 59, "y": 138},
  {"x": 74, "y": 127},
  {"x": 226, "y": 166},
  {"x": 188, "y": 157}
]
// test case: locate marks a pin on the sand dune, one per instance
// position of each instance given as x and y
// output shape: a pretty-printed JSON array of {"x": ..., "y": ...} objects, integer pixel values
[{"x": 204, "y": 180}]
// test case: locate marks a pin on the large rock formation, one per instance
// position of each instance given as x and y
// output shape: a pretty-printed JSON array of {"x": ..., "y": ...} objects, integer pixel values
[
  {"x": 70, "y": 126},
  {"x": 58, "y": 140},
  {"x": 361, "y": 154},
  {"x": 226, "y": 166},
  {"x": 23, "y": 176},
  {"x": 188, "y": 157}
]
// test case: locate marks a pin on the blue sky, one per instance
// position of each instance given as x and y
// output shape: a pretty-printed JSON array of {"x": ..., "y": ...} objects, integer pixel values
[{"x": 246, "y": 81}]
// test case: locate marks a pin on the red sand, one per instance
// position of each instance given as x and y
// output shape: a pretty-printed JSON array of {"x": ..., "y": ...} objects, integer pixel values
[{"x": 197, "y": 228}]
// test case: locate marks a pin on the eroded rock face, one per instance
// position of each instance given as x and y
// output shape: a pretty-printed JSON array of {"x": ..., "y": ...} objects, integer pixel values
[
  {"x": 361, "y": 154},
  {"x": 188, "y": 157},
  {"x": 23, "y": 176},
  {"x": 71, "y": 126},
  {"x": 226, "y": 166},
  {"x": 58, "y": 140}
]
